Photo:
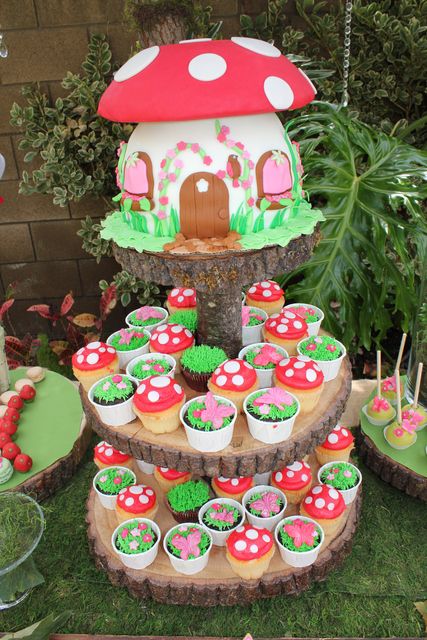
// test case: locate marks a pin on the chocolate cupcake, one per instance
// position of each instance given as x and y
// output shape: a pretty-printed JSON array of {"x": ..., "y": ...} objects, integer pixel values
[
  {"x": 185, "y": 500},
  {"x": 198, "y": 363}
]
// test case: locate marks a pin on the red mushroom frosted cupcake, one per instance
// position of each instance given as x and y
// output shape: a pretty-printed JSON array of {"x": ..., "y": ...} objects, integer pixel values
[
  {"x": 303, "y": 378},
  {"x": 169, "y": 478},
  {"x": 104, "y": 455},
  {"x": 157, "y": 403},
  {"x": 249, "y": 551},
  {"x": 325, "y": 505},
  {"x": 181, "y": 299},
  {"x": 171, "y": 339},
  {"x": 267, "y": 295},
  {"x": 285, "y": 329},
  {"x": 337, "y": 446},
  {"x": 294, "y": 480},
  {"x": 232, "y": 487},
  {"x": 234, "y": 379},
  {"x": 136, "y": 501},
  {"x": 93, "y": 362}
]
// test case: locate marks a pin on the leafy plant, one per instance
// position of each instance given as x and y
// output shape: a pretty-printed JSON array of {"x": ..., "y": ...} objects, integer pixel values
[
  {"x": 369, "y": 187},
  {"x": 40, "y": 630},
  {"x": 90, "y": 233},
  {"x": 126, "y": 285}
]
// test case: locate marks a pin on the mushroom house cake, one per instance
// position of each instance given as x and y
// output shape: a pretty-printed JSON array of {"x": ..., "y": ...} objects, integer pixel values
[{"x": 209, "y": 167}]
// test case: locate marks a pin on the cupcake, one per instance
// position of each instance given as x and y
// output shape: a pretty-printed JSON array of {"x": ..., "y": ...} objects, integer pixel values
[
  {"x": 264, "y": 506},
  {"x": 311, "y": 314},
  {"x": 389, "y": 389},
  {"x": 109, "y": 482},
  {"x": 253, "y": 320},
  {"x": 285, "y": 329},
  {"x": 129, "y": 343},
  {"x": 146, "y": 318},
  {"x": 185, "y": 500},
  {"x": 379, "y": 411},
  {"x": 303, "y": 378},
  {"x": 263, "y": 357},
  {"x": 171, "y": 339},
  {"x": 221, "y": 516},
  {"x": 299, "y": 540},
  {"x": 417, "y": 416},
  {"x": 198, "y": 363},
  {"x": 234, "y": 379},
  {"x": 326, "y": 506},
  {"x": 232, "y": 487},
  {"x": 294, "y": 480},
  {"x": 157, "y": 403},
  {"x": 169, "y": 478},
  {"x": 267, "y": 295},
  {"x": 271, "y": 414},
  {"x": 6, "y": 470},
  {"x": 136, "y": 542},
  {"x": 326, "y": 352},
  {"x": 337, "y": 446},
  {"x": 187, "y": 319},
  {"x": 112, "y": 398},
  {"x": 104, "y": 455},
  {"x": 343, "y": 476},
  {"x": 151, "y": 364},
  {"x": 209, "y": 422},
  {"x": 400, "y": 436},
  {"x": 187, "y": 547},
  {"x": 180, "y": 299},
  {"x": 136, "y": 501},
  {"x": 93, "y": 362},
  {"x": 249, "y": 551}
]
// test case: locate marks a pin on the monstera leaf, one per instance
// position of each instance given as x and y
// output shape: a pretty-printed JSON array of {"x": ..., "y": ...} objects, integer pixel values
[{"x": 370, "y": 188}]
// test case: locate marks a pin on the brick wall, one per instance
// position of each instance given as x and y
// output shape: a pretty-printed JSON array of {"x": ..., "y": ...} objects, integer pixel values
[{"x": 39, "y": 248}]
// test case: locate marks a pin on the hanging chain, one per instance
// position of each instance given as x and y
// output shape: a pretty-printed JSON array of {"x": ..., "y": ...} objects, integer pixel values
[{"x": 346, "y": 56}]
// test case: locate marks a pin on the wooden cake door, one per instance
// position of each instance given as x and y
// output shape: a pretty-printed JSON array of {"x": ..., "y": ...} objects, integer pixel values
[{"x": 203, "y": 206}]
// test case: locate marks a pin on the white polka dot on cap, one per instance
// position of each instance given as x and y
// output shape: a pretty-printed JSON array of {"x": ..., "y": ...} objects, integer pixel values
[
  {"x": 144, "y": 499},
  {"x": 160, "y": 381},
  {"x": 141, "y": 389},
  {"x": 253, "y": 548},
  {"x": 93, "y": 345},
  {"x": 319, "y": 503},
  {"x": 235, "y": 482},
  {"x": 153, "y": 396},
  {"x": 177, "y": 389},
  {"x": 295, "y": 466},
  {"x": 163, "y": 338},
  {"x": 279, "y": 476},
  {"x": 266, "y": 538},
  {"x": 92, "y": 358},
  {"x": 221, "y": 380},
  {"x": 188, "y": 292},
  {"x": 237, "y": 380},
  {"x": 129, "y": 502},
  {"x": 240, "y": 545},
  {"x": 308, "y": 500},
  {"x": 311, "y": 375},
  {"x": 232, "y": 366},
  {"x": 252, "y": 534},
  {"x": 333, "y": 494},
  {"x": 332, "y": 438},
  {"x": 317, "y": 490},
  {"x": 177, "y": 328},
  {"x": 207, "y": 67},
  {"x": 331, "y": 506},
  {"x": 290, "y": 474},
  {"x": 136, "y": 489}
]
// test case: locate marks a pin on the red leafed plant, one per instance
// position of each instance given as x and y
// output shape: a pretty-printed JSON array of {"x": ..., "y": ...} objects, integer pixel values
[{"x": 19, "y": 351}]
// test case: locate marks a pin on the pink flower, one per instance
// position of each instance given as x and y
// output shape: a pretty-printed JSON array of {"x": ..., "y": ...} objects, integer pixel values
[
  {"x": 103, "y": 479},
  {"x": 171, "y": 153},
  {"x": 408, "y": 426},
  {"x": 215, "y": 412},
  {"x": 239, "y": 145},
  {"x": 267, "y": 354},
  {"x": 181, "y": 145},
  {"x": 275, "y": 397},
  {"x": 162, "y": 175},
  {"x": 147, "y": 538},
  {"x": 251, "y": 202},
  {"x": 318, "y": 340},
  {"x": 246, "y": 184},
  {"x": 145, "y": 313},
  {"x": 121, "y": 472},
  {"x": 216, "y": 505},
  {"x": 301, "y": 532},
  {"x": 235, "y": 183},
  {"x": 331, "y": 347},
  {"x": 347, "y": 473},
  {"x": 135, "y": 532},
  {"x": 106, "y": 386},
  {"x": 163, "y": 163},
  {"x": 124, "y": 533},
  {"x": 207, "y": 160},
  {"x": 158, "y": 368},
  {"x": 220, "y": 137},
  {"x": 229, "y": 143},
  {"x": 220, "y": 174},
  {"x": 142, "y": 526},
  {"x": 398, "y": 432},
  {"x": 172, "y": 177},
  {"x": 267, "y": 504},
  {"x": 380, "y": 404},
  {"x": 121, "y": 385},
  {"x": 161, "y": 185},
  {"x": 246, "y": 155},
  {"x": 161, "y": 215},
  {"x": 133, "y": 545},
  {"x": 195, "y": 147},
  {"x": 163, "y": 200},
  {"x": 330, "y": 476},
  {"x": 225, "y": 129},
  {"x": 189, "y": 545},
  {"x": 412, "y": 415},
  {"x": 116, "y": 378},
  {"x": 264, "y": 409},
  {"x": 178, "y": 164},
  {"x": 125, "y": 336},
  {"x": 117, "y": 481},
  {"x": 311, "y": 347},
  {"x": 250, "y": 164}
]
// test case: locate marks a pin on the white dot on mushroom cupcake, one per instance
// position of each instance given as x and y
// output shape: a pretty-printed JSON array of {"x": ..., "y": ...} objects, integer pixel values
[
  {"x": 310, "y": 375},
  {"x": 188, "y": 292},
  {"x": 331, "y": 506},
  {"x": 177, "y": 388},
  {"x": 282, "y": 328},
  {"x": 253, "y": 548},
  {"x": 111, "y": 350},
  {"x": 163, "y": 338},
  {"x": 332, "y": 438},
  {"x": 149, "y": 492},
  {"x": 284, "y": 362},
  {"x": 240, "y": 545},
  {"x": 317, "y": 490},
  {"x": 257, "y": 46},
  {"x": 333, "y": 493},
  {"x": 238, "y": 380},
  {"x": 180, "y": 298},
  {"x": 252, "y": 290},
  {"x": 235, "y": 482},
  {"x": 160, "y": 382},
  {"x": 344, "y": 432},
  {"x": 108, "y": 452},
  {"x": 176, "y": 340},
  {"x": 289, "y": 373},
  {"x": 162, "y": 327},
  {"x": 102, "y": 350},
  {"x": 140, "y": 389},
  {"x": 299, "y": 365},
  {"x": 308, "y": 500},
  {"x": 177, "y": 329},
  {"x": 231, "y": 367},
  {"x": 295, "y": 466},
  {"x": 207, "y": 67},
  {"x": 153, "y": 396},
  {"x": 304, "y": 477},
  {"x": 266, "y": 293},
  {"x": 129, "y": 502},
  {"x": 136, "y": 490},
  {"x": 298, "y": 324},
  {"x": 319, "y": 503},
  {"x": 93, "y": 345},
  {"x": 252, "y": 534},
  {"x": 143, "y": 499},
  {"x": 279, "y": 476},
  {"x": 92, "y": 358},
  {"x": 221, "y": 380},
  {"x": 80, "y": 359},
  {"x": 174, "y": 292},
  {"x": 188, "y": 333},
  {"x": 266, "y": 538}
]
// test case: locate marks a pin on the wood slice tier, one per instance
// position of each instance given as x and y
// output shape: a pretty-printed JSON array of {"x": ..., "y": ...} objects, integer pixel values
[
  {"x": 245, "y": 456},
  {"x": 390, "y": 471},
  {"x": 217, "y": 584}
]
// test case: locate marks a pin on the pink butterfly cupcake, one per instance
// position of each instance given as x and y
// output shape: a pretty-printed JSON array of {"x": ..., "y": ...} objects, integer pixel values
[
  {"x": 263, "y": 357},
  {"x": 264, "y": 506},
  {"x": 299, "y": 540},
  {"x": 209, "y": 422},
  {"x": 271, "y": 414},
  {"x": 187, "y": 547}
]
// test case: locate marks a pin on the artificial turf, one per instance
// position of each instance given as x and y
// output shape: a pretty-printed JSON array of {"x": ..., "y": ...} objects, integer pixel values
[{"x": 372, "y": 594}]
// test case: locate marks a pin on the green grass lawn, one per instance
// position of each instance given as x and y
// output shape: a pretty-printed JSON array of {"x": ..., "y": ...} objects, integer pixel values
[{"x": 372, "y": 594}]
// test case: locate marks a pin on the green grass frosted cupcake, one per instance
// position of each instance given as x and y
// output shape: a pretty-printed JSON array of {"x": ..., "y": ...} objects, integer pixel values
[{"x": 198, "y": 363}]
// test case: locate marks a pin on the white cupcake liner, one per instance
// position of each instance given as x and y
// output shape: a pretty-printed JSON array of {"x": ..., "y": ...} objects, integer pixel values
[
  {"x": 329, "y": 368},
  {"x": 313, "y": 328},
  {"x": 254, "y": 334},
  {"x": 219, "y": 537},
  {"x": 109, "y": 502},
  {"x": 149, "y": 356},
  {"x": 393, "y": 446},
  {"x": 126, "y": 356},
  {"x": 267, "y": 523},
  {"x": 269, "y": 432},
  {"x": 113, "y": 415},
  {"x": 138, "y": 560},
  {"x": 298, "y": 558},
  {"x": 145, "y": 467},
  {"x": 188, "y": 567},
  {"x": 209, "y": 441},
  {"x": 348, "y": 494},
  {"x": 374, "y": 421},
  {"x": 150, "y": 328},
  {"x": 265, "y": 376}
]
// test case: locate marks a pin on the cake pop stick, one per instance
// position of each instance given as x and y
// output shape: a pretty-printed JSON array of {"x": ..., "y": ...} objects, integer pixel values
[
  {"x": 399, "y": 399},
  {"x": 417, "y": 385},
  {"x": 402, "y": 346},
  {"x": 379, "y": 373}
]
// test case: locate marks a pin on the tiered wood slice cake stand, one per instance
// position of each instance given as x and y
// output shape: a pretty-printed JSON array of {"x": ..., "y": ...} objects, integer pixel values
[{"x": 218, "y": 280}]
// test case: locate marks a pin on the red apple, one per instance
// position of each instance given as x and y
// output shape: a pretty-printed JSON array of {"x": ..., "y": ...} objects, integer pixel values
[
  {"x": 8, "y": 427},
  {"x": 15, "y": 402},
  {"x": 22, "y": 463},
  {"x": 10, "y": 451},
  {"x": 12, "y": 414},
  {"x": 27, "y": 393},
  {"x": 4, "y": 438}
]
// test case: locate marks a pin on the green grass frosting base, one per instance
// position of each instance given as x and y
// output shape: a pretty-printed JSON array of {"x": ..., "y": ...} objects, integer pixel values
[{"x": 188, "y": 496}]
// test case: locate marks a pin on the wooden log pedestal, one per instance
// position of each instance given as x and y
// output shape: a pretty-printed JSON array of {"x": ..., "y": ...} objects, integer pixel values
[
  {"x": 245, "y": 456},
  {"x": 218, "y": 279},
  {"x": 217, "y": 584}
]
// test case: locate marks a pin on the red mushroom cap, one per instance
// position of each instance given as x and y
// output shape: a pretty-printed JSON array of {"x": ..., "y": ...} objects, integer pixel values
[
  {"x": 10, "y": 450},
  {"x": 170, "y": 338},
  {"x": 265, "y": 291},
  {"x": 12, "y": 414},
  {"x": 15, "y": 402},
  {"x": 299, "y": 372},
  {"x": 107, "y": 454},
  {"x": 323, "y": 501},
  {"x": 157, "y": 393},
  {"x": 27, "y": 393},
  {"x": 7, "y": 426},
  {"x": 182, "y": 298},
  {"x": 205, "y": 78},
  {"x": 294, "y": 476},
  {"x": 286, "y": 325},
  {"x": 234, "y": 485},
  {"x": 4, "y": 438},
  {"x": 137, "y": 498},
  {"x": 22, "y": 463},
  {"x": 249, "y": 542},
  {"x": 171, "y": 474},
  {"x": 339, "y": 438},
  {"x": 234, "y": 375},
  {"x": 94, "y": 355}
]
